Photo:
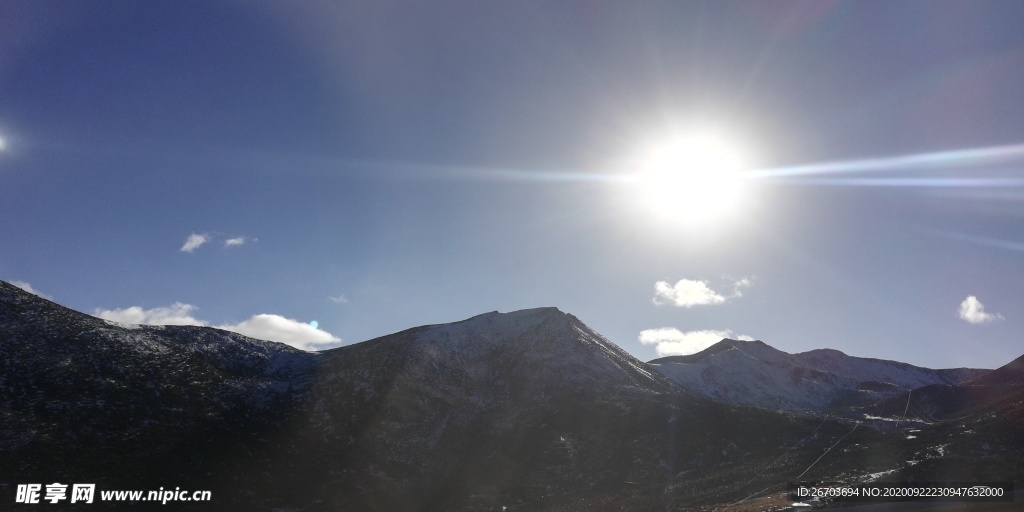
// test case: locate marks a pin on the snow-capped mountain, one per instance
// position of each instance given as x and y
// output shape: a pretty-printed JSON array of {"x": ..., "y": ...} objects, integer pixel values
[
  {"x": 754, "y": 373},
  {"x": 529, "y": 410}
]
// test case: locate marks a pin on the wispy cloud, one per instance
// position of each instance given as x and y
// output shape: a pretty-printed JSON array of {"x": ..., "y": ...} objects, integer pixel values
[
  {"x": 284, "y": 330},
  {"x": 197, "y": 240},
  {"x": 239, "y": 240},
  {"x": 687, "y": 293},
  {"x": 973, "y": 311},
  {"x": 340, "y": 299},
  {"x": 670, "y": 341},
  {"x": 28, "y": 288},
  {"x": 194, "y": 242},
  {"x": 175, "y": 314},
  {"x": 265, "y": 326},
  {"x": 738, "y": 285}
]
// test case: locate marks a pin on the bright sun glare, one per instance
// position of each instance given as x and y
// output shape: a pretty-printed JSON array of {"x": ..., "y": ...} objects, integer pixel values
[{"x": 691, "y": 178}]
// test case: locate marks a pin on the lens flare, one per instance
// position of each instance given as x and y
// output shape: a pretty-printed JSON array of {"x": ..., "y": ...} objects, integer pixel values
[
  {"x": 975, "y": 157},
  {"x": 691, "y": 178}
]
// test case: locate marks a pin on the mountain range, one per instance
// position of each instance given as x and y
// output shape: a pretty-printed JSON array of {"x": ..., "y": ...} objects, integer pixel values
[
  {"x": 754, "y": 373},
  {"x": 529, "y": 410}
]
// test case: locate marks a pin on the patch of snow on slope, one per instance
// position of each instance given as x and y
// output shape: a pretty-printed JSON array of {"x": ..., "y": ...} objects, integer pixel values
[
  {"x": 121, "y": 325},
  {"x": 879, "y": 418}
]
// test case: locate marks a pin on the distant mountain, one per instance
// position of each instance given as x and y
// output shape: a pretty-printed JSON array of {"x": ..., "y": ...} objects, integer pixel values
[
  {"x": 754, "y": 373},
  {"x": 946, "y": 425},
  {"x": 530, "y": 410}
]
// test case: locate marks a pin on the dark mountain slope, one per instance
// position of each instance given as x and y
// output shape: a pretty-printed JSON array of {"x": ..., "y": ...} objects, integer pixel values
[
  {"x": 1010, "y": 373},
  {"x": 962, "y": 432},
  {"x": 87, "y": 400},
  {"x": 528, "y": 409},
  {"x": 1000, "y": 391}
]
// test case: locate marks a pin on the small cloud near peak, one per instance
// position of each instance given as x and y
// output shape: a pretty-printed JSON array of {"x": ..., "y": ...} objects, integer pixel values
[
  {"x": 670, "y": 341},
  {"x": 176, "y": 314},
  {"x": 269, "y": 327},
  {"x": 284, "y": 330}
]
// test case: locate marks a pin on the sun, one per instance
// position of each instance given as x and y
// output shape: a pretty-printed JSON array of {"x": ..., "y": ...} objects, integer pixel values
[{"x": 693, "y": 178}]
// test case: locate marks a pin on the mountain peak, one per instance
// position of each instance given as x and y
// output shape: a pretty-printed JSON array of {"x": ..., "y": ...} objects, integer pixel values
[
  {"x": 745, "y": 344},
  {"x": 542, "y": 347},
  {"x": 823, "y": 352},
  {"x": 544, "y": 311},
  {"x": 519, "y": 320},
  {"x": 755, "y": 348}
]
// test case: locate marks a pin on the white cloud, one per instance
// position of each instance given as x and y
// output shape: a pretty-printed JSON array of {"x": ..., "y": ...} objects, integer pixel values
[
  {"x": 670, "y": 341},
  {"x": 973, "y": 311},
  {"x": 264, "y": 327},
  {"x": 194, "y": 241},
  {"x": 284, "y": 330},
  {"x": 239, "y": 240},
  {"x": 175, "y": 314},
  {"x": 742, "y": 283},
  {"x": 28, "y": 288},
  {"x": 340, "y": 299},
  {"x": 687, "y": 293}
]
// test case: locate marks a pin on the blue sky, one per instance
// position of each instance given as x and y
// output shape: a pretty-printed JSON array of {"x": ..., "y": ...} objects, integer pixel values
[{"x": 375, "y": 166}]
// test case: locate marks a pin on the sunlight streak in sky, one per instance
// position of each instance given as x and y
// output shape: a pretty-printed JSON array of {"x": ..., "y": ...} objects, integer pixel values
[
  {"x": 809, "y": 174},
  {"x": 1001, "y": 161},
  {"x": 980, "y": 240},
  {"x": 921, "y": 161},
  {"x": 908, "y": 182}
]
